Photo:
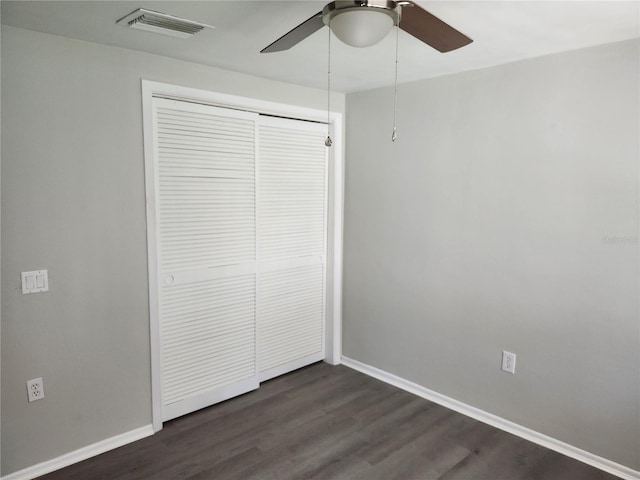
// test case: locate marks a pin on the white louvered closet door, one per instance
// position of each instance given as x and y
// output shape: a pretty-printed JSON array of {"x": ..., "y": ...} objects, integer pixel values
[
  {"x": 206, "y": 229},
  {"x": 292, "y": 211}
]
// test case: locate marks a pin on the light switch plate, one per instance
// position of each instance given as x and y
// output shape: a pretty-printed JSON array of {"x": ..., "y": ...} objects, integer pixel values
[{"x": 35, "y": 282}]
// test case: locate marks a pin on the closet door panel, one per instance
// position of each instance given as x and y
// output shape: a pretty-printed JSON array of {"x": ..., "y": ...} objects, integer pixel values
[
  {"x": 207, "y": 253},
  {"x": 292, "y": 198}
]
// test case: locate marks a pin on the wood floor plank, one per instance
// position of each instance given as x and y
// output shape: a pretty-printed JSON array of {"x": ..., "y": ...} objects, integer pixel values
[
  {"x": 325, "y": 422},
  {"x": 383, "y": 442}
]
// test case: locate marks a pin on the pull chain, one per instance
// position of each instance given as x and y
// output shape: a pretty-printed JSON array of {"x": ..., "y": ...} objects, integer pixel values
[
  {"x": 328, "y": 142},
  {"x": 394, "y": 135}
]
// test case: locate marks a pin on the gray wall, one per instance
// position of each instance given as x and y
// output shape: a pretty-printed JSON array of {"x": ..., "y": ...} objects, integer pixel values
[
  {"x": 505, "y": 217},
  {"x": 0, "y": 233},
  {"x": 73, "y": 203}
]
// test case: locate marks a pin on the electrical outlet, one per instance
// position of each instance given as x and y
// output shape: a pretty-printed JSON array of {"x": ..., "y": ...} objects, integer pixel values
[
  {"x": 508, "y": 362},
  {"x": 35, "y": 389}
]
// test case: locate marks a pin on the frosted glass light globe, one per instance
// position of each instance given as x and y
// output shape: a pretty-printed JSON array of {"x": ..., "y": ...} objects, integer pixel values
[{"x": 362, "y": 27}]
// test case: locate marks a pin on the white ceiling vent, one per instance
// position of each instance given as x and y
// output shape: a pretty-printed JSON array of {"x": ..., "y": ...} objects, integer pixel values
[{"x": 143, "y": 19}]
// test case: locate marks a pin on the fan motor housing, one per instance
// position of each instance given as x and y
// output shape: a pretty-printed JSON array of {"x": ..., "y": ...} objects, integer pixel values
[{"x": 389, "y": 7}]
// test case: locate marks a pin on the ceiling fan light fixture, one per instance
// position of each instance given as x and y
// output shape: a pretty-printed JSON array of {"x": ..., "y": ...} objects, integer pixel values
[
  {"x": 361, "y": 27},
  {"x": 365, "y": 22}
]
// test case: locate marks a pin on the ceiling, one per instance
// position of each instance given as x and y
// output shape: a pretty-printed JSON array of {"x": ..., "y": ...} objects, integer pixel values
[{"x": 503, "y": 31}]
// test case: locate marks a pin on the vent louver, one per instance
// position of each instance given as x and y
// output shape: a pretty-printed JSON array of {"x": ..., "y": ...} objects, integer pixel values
[{"x": 143, "y": 19}]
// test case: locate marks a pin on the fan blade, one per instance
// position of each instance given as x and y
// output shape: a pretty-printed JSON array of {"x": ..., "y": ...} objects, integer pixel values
[
  {"x": 296, "y": 35},
  {"x": 431, "y": 30}
]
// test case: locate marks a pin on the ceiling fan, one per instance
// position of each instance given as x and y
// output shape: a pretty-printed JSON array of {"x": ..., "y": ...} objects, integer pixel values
[{"x": 361, "y": 23}]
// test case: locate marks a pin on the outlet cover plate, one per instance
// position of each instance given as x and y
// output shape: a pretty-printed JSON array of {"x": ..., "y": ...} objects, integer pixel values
[
  {"x": 35, "y": 389},
  {"x": 508, "y": 362}
]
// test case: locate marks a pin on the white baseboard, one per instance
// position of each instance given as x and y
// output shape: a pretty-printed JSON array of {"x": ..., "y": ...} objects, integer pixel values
[
  {"x": 80, "y": 454},
  {"x": 495, "y": 421}
]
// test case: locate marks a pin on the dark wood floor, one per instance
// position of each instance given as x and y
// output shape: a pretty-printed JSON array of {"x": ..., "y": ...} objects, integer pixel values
[{"x": 324, "y": 422}]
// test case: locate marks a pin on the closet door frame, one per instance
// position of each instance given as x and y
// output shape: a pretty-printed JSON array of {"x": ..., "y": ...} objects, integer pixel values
[{"x": 333, "y": 325}]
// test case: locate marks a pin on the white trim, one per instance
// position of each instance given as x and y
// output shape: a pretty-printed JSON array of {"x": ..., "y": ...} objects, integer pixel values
[
  {"x": 257, "y": 277},
  {"x": 496, "y": 421},
  {"x": 327, "y": 282},
  {"x": 333, "y": 342},
  {"x": 80, "y": 454},
  {"x": 152, "y": 255},
  {"x": 333, "y": 331}
]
